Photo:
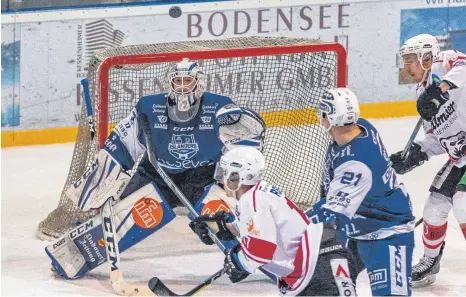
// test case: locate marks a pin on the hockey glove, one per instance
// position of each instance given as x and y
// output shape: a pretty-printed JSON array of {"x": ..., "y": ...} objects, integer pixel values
[
  {"x": 415, "y": 158},
  {"x": 200, "y": 227},
  {"x": 232, "y": 266},
  {"x": 430, "y": 101}
]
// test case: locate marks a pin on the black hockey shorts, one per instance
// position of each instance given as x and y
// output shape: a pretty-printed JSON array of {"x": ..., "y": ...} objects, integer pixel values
[
  {"x": 447, "y": 179},
  {"x": 335, "y": 264},
  {"x": 191, "y": 182}
]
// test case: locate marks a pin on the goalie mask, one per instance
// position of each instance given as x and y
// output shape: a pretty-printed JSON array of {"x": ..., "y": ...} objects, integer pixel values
[
  {"x": 186, "y": 87},
  {"x": 424, "y": 46},
  {"x": 340, "y": 106},
  {"x": 240, "y": 166}
]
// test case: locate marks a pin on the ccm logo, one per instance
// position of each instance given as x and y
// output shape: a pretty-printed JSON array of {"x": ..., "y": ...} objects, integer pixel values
[
  {"x": 81, "y": 229},
  {"x": 110, "y": 240},
  {"x": 183, "y": 129}
]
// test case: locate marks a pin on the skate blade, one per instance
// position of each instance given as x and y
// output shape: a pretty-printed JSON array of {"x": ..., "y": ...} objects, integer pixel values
[{"x": 424, "y": 282}]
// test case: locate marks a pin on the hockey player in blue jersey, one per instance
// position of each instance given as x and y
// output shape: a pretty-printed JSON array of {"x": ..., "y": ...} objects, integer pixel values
[
  {"x": 362, "y": 194},
  {"x": 190, "y": 129}
]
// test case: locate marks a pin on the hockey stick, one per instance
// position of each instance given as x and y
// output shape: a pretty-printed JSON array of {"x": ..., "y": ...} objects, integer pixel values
[
  {"x": 419, "y": 222},
  {"x": 406, "y": 149},
  {"x": 120, "y": 286},
  {"x": 411, "y": 138},
  {"x": 90, "y": 114},
  {"x": 155, "y": 284},
  {"x": 160, "y": 289}
]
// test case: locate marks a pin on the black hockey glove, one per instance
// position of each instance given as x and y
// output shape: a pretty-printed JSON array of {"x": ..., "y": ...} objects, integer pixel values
[
  {"x": 414, "y": 158},
  {"x": 199, "y": 226},
  {"x": 235, "y": 273},
  {"x": 430, "y": 101}
]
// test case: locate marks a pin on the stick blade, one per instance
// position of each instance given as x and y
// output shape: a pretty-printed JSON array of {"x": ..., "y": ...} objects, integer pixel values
[{"x": 159, "y": 288}]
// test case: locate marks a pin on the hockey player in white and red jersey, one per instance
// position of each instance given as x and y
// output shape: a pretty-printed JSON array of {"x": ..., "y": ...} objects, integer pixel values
[
  {"x": 277, "y": 236},
  {"x": 442, "y": 105}
]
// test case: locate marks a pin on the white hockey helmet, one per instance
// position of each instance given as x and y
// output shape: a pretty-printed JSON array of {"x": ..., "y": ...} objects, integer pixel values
[
  {"x": 244, "y": 165},
  {"x": 424, "y": 46},
  {"x": 186, "y": 85},
  {"x": 340, "y": 106}
]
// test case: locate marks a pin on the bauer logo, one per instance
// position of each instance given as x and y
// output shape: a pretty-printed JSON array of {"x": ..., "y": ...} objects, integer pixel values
[
  {"x": 94, "y": 36},
  {"x": 147, "y": 213}
]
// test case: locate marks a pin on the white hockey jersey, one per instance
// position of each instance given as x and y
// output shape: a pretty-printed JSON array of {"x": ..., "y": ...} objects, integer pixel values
[
  {"x": 276, "y": 235},
  {"x": 447, "y": 130}
]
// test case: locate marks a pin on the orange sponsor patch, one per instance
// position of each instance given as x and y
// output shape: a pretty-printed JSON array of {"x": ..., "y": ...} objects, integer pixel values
[
  {"x": 250, "y": 225},
  {"x": 147, "y": 213},
  {"x": 215, "y": 206},
  {"x": 101, "y": 242}
]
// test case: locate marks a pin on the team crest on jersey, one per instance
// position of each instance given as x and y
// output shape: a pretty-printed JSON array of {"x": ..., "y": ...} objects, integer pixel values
[
  {"x": 455, "y": 145},
  {"x": 162, "y": 119},
  {"x": 183, "y": 146}
]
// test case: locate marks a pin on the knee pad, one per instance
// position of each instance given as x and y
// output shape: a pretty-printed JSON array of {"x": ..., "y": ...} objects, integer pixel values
[{"x": 436, "y": 209}]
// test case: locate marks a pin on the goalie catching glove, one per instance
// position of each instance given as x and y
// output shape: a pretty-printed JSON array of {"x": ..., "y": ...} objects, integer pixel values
[
  {"x": 200, "y": 226},
  {"x": 239, "y": 126}
]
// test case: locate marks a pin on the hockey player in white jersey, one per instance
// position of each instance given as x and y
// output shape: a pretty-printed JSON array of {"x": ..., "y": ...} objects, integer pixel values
[
  {"x": 190, "y": 129},
  {"x": 361, "y": 192},
  {"x": 277, "y": 236},
  {"x": 441, "y": 103}
]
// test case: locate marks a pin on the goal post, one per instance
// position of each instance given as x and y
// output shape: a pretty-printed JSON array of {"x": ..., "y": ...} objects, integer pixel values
[{"x": 280, "y": 78}]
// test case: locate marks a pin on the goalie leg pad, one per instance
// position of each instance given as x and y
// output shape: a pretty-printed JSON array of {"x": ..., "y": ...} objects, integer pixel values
[{"x": 136, "y": 217}]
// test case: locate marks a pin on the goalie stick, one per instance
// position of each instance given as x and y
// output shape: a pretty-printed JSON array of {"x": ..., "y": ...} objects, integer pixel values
[
  {"x": 119, "y": 285},
  {"x": 90, "y": 114}
]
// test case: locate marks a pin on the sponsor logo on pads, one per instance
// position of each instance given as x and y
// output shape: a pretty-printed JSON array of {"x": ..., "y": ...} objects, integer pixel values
[{"x": 147, "y": 213}]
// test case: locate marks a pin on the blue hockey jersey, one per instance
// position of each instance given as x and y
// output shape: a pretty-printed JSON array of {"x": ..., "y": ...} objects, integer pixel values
[
  {"x": 362, "y": 190},
  {"x": 178, "y": 146}
]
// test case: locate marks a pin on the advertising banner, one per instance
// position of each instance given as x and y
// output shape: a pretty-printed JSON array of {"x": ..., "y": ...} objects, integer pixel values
[{"x": 52, "y": 56}]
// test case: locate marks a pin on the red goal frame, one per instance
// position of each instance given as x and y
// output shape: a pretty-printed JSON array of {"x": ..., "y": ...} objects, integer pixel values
[{"x": 110, "y": 62}]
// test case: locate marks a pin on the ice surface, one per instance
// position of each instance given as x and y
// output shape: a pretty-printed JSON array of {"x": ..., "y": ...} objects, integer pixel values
[{"x": 32, "y": 180}]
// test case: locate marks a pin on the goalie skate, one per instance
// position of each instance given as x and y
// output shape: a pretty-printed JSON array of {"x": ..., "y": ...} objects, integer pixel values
[{"x": 424, "y": 272}]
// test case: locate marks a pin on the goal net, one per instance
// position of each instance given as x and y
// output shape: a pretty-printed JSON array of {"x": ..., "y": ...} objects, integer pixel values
[{"x": 281, "y": 78}]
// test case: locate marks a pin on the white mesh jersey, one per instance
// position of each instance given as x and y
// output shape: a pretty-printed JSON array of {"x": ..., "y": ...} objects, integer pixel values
[
  {"x": 447, "y": 130},
  {"x": 277, "y": 235}
]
